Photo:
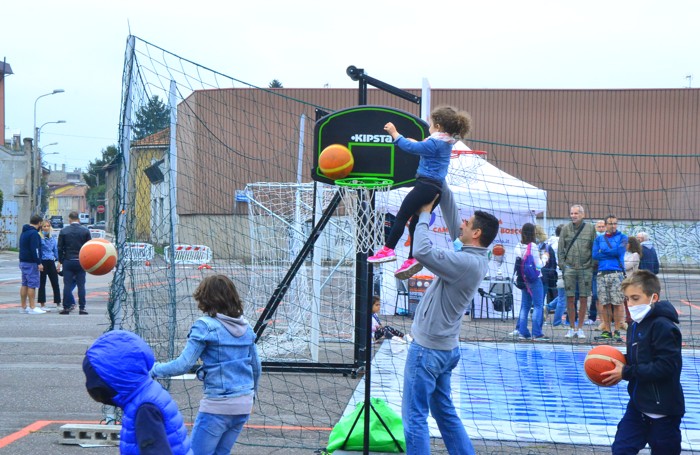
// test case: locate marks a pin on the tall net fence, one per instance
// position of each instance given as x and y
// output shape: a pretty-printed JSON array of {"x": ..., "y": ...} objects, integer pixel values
[{"x": 223, "y": 186}]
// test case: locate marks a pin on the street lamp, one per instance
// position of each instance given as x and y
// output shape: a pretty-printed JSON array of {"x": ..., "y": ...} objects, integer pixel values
[
  {"x": 37, "y": 134},
  {"x": 35, "y": 171}
]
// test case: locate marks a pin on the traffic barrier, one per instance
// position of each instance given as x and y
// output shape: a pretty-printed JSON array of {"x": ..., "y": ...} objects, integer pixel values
[
  {"x": 98, "y": 233},
  {"x": 190, "y": 254},
  {"x": 138, "y": 252},
  {"x": 90, "y": 434}
]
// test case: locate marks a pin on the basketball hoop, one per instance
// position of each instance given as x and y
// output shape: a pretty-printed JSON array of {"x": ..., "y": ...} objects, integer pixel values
[
  {"x": 360, "y": 196},
  {"x": 467, "y": 163}
]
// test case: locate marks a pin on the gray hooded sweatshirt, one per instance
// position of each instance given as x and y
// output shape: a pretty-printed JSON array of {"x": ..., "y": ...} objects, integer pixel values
[{"x": 438, "y": 318}]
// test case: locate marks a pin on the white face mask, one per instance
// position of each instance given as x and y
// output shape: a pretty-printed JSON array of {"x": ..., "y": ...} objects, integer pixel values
[
  {"x": 458, "y": 244},
  {"x": 638, "y": 312}
]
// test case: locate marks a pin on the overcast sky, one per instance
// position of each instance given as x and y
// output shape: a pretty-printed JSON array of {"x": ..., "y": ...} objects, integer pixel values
[{"x": 78, "y": 46}]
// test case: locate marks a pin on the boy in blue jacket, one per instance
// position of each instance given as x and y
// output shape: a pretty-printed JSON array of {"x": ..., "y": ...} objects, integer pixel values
[
  {"x": 116, "y": 369},
  {"x": 653, "y": 370}
]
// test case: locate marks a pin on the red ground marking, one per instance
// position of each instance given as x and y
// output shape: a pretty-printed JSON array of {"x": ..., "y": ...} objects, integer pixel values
[
  {"x": 9, "y": 305},
  {"x": 39, "y": 424},
  {"x": 36, "y": 426},
  {"x": 690, "y": 304}
]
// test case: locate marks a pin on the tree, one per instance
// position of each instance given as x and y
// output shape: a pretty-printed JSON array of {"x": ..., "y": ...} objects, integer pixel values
[
  {"x": 275, "y": 84},
  {"x": 95, "y": 176},
  {"x": 151, "y": 118}
]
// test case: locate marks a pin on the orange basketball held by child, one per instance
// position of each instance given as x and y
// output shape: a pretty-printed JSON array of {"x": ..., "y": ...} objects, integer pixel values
[
  {"x": 336, "y": 161},
  {"x": 598, "y": 361},
  {"x": 98, "y": 256}
]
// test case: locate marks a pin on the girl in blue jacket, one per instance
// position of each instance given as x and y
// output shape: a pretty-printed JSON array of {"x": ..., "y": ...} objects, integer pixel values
[
  {"x": 447, "y": 126},
  {"x": 230, "y": 369}
]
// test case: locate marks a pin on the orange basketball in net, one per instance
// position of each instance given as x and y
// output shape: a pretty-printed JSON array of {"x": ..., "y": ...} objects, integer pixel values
[
  {"x": 98, "y": 256},
  {"x": 499, "y": 250},
  {"x": 336, "y": 161},
  {"x": 598, "y": 361}
]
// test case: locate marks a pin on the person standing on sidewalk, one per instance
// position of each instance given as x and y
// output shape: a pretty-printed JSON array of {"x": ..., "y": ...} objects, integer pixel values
[
  {"x": 575, "y": 260},
  {"x": 30, "y": 264},
  {"x": 70, "y": 241},
  {"x": 49, "y": 256}
]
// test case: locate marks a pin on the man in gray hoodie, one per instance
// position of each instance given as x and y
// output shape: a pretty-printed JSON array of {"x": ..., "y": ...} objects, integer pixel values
[{"x": 434, "y": 352}]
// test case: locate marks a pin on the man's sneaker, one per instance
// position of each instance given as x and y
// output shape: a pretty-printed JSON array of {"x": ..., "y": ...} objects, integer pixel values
[
  {"x": 24, "y": 310},
  {"x": 542, "y": 338},
  {"x": 514, "y": 333},
  {"x": 383, "y": 255},
  {"x": 589, "y": 322},
  {"x": 616, "y": 336},
  {"x": 409, "y": 268},
  {"x": 580, "y": 333},
  {"x": 46, "y": 309},
  {"x": 83, "y": 312},
  {"x": 71, "y": 308},
  {"x": 35, "y": 311},
  {"x": 64, "y": 311},
  {"x": 522, "y": 338},
  {"x": 569, "y": 334}
]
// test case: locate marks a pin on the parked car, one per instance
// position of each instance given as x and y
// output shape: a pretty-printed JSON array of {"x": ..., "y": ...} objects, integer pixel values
[
  {"x": 56, "y": 221},
  {"x": 98, "y": 225},
  {"x": 84, "y": 218}
]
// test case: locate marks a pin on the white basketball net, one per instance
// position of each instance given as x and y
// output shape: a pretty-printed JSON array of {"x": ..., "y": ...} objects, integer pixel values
[{"x": 360, "y": 200}]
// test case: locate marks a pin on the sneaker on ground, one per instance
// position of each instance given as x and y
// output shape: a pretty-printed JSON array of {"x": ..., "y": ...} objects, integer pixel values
[
  {"x": 383, "y": 255},
  {"x": 83, "y": 312},
  {"x": 580, "y": 333},
  {"x": 570, "y": 333},
  {"x": 605, "y": 335},
  {"x": 522, "y": 338},
  {"x": 65, "y": 311},
  {"x": 589, "y": 322},
  {"x": 542, "y": 338},
  {"x": 24, "y": 310},
  {"x": 35, "y": 311},
  {"x": 514, "y": 333},
  {"x": 409, "y": 268},
  {"x": 46, "y": 309},
  {"x": 616, "y": 336}
]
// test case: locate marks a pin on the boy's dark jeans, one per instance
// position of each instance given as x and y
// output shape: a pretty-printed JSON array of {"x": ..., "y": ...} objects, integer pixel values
[{"x": 635, "y": 430}]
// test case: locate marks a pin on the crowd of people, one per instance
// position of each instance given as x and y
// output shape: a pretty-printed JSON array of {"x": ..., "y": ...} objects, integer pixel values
[{"x": 42, "y": 257}]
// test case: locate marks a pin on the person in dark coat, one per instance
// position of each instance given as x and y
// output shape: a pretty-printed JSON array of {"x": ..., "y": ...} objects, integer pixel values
[
  {"x": 653, "y": 371},
  {"x": 649, "y": 259}
]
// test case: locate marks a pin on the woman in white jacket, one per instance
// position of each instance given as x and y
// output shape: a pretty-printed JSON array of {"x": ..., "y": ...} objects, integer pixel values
[{"x": 533, "y": 294}]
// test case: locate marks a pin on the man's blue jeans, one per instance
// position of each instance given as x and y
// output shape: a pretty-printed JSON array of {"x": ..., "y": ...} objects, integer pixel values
[
  {"x": 426, "y": 389},
  {"x": 73, "y": 275},
  {"x": 559, "y": 306},
  {"x": 216, "y": 434}
]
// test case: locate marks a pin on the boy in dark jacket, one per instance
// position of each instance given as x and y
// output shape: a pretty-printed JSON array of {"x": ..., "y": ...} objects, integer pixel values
[
  {"x": 30, "y": 264},
  {"x": 116, "y": 369},
  {"x": 653, "y": 370}
]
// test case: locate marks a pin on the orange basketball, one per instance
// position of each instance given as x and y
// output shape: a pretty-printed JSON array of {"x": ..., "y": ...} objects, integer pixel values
[
  {"x": 336, "y": 161},
  {"x": 499, "y": 250},
  {"x": 98, "y": 256},
  {"x": 598, "y": 361}
]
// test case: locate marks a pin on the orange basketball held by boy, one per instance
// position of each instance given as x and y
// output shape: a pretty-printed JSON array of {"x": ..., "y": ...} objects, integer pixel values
[
  {"x": 598, "y": 361},
  {"x": 98, "y": 257},
  {"x": 336, "y": 161}
]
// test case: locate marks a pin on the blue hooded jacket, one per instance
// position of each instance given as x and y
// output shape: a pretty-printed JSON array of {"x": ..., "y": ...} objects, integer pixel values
[
  {"x": 30, "y": 245},
  {"x": 122, "y": 360}
]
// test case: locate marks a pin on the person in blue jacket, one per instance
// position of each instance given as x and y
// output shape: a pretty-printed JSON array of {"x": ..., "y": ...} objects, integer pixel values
[
  {"x": 30, "y": 265},
  {"x": 609, "y": 250},
  {"x": 653, "y": 370},
  {"x": 230, "y": 370},
  {"x": 447, "y": 126},
  {"x": 116, "y": 369},
  {"x": 49, "y": 256}
]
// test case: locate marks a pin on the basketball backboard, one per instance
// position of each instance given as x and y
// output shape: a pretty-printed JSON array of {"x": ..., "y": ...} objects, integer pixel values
[{"x": 361, "y": 129}]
